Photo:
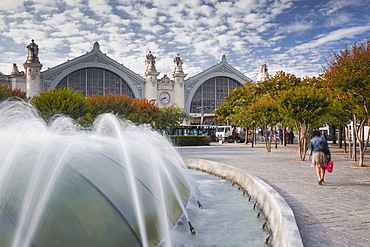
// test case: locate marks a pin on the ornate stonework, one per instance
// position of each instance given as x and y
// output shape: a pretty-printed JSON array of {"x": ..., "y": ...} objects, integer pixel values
[
  {"x": 48, "y": 80},
  {"x": 223, "y": 70},
  {"x": 263, "y": 73},
  {"x": 15, "y": 71},
  {"x": 165, "y": 83},
  {"x": 95, "y": 59},
  {"x": 32, "y": 53},
  {"x": 177, "y": 67},
  {"x": 33, "y": 73},
  {"x": 150, "y": 62}
]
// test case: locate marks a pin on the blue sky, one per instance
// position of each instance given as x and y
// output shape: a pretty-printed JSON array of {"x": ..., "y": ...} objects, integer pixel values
[{"x": 295, "y": 36}]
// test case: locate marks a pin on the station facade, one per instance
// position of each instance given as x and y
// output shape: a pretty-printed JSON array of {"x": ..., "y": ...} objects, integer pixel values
[{"x": 95, "y": 73}]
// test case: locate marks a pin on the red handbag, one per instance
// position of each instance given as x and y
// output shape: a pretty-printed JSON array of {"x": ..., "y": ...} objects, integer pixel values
[{"x": 330, "y": 166}]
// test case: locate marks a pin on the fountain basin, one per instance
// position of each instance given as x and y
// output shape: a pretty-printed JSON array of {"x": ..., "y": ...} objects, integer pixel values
[
  {"x": 281, "y": 220},
  {"x": 60, "y": 186}
]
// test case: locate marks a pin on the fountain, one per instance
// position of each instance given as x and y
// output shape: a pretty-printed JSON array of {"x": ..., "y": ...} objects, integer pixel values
[{"x": 61, "y": 186}]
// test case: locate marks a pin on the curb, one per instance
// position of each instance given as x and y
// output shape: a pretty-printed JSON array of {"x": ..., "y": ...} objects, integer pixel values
[{"x": 280, "y": 216}]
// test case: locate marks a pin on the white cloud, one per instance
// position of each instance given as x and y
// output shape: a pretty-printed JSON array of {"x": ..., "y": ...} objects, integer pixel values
[
  {"x": 151, "y": 13},
  {"x": 100, "y": 7},
  {"x": 299, "y": 27},
  {"x": 336, "y": 35},
  {"x": 248, "y": 32},
  {"x": 10, "y": 5},
  {"x": 335, "y": 5},
  {"x": 338, "y": 19}
]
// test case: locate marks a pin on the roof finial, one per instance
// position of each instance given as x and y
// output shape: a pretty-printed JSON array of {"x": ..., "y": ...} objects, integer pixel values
[
  {"x": 223, "y": 58},
  {"x": 96, "y": 46}
]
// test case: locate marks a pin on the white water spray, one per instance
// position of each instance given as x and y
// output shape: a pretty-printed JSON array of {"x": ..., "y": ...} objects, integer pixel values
[{"x": 117, "y": 184}]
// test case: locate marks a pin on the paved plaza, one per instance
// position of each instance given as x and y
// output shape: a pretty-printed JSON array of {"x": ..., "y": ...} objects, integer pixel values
[{"x": 335, "y": 214}]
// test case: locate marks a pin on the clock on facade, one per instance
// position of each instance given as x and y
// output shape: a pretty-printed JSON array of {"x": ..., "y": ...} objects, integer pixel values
[{"x": 164, "y": 98}]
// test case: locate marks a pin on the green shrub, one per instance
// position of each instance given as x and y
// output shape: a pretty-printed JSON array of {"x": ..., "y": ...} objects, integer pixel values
[{"x": 190, "y": 140}]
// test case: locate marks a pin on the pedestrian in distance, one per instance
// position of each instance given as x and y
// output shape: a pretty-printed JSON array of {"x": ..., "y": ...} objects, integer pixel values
[
  {"x": 281, "y": 135},
  {"x": 319, "y": 150},
  {"x": 291, "y": 137}
]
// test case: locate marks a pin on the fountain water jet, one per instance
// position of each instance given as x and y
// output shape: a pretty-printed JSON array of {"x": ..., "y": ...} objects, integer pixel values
[{"x": 64, "y": 187}]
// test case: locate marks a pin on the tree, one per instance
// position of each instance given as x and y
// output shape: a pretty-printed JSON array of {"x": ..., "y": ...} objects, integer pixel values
[
  {"x": 170, "y": 116},
  {"x": 238, "y": 98},
  {"x": 265, "y": 112},
  {"x": 339, "y": 116},
  {"x": 234, "y": 106},
  {"x": 278, "y": 83},
  {"x": 139, "y": 111},
  {"x": 349, "y": 72},
  {"x": 6, "y": 92},
  {"x": 304, "y": 105},
  {"x": 61, "y": 101}
]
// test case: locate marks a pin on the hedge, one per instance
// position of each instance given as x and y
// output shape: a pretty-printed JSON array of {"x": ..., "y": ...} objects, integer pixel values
[{"x": 190, "y": 140}]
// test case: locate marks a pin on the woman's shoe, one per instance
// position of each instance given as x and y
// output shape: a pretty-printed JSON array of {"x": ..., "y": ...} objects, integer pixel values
[{"x": 320, "y": 182}]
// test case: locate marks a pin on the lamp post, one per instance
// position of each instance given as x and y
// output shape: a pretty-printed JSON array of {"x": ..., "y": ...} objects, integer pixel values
[{"x": 201, "y": 114}]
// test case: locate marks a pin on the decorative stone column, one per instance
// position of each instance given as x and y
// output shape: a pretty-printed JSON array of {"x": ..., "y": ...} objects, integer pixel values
[
  {"x": 178, "y": 77},
  {"x": 150, "y": 76},
  {"x": 32, "y": 70}
]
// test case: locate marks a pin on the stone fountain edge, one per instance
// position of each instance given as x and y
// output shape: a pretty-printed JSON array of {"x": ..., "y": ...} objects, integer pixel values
[{"x": 279, "y": 215}]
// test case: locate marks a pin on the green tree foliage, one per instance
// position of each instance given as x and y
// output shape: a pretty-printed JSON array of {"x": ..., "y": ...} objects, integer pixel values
[
  {"x": 305, "y": 106},
  {"x": 348, "y": 76},
  {"x": 61, "y": 101},
  {"x": 6, "y": 92},
  {"x": 170, "y": 116},
  {"x": 234, "y": 106},
  {"x": 282, "y": 99},
  {"x": 265, "y": 112},
  {"x": 274, "y": 85}
]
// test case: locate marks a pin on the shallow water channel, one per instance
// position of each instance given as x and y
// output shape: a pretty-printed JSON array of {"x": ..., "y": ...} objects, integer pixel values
[{"x": 227, "y": 217}]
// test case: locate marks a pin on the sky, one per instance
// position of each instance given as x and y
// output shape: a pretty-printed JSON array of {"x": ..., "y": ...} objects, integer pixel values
[{"x": 294, "y": 36}]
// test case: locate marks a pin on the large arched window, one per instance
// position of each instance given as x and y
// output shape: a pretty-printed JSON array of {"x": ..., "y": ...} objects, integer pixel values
[
  {"x": 209, "y": 95},
  {"x": 96, "y": 81}
]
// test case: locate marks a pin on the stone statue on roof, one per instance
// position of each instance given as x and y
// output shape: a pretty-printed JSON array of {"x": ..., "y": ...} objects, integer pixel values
[
  {"x": 177, "y": 64},
  {"x": 150, "y": 62},
  {"x": 15, "y": 70},
  {"x": 263, "y": 74},
  {"x": 264, "y": 68},
  {"x": 33, "y": 53}
]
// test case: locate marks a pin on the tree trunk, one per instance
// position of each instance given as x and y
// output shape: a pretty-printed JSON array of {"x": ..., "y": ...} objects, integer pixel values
[
  {"x": 347, "y": 137},
  {"x": 340, "y": 137},
  {"x": 253, "y": 136},
  {"x": 359, "y": 131},
  {"x": 246, "y": 136},
  {"x": 275, "y": 133},
  {"x": 334, "y": 138},
  {"x": 267, "y": 139},
  {"x": 302, "y": 140}
]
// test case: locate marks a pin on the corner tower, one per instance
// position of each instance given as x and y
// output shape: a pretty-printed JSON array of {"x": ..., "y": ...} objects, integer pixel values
[
  {"x": 150, "y": 75},
  {"x": 263, "y": 74},
  {"x": 32, "y": 70},
  {"x": 178, "y": 77}
]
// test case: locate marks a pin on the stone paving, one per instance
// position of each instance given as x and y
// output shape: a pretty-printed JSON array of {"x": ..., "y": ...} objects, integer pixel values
[{"x": 335, "y": 214}]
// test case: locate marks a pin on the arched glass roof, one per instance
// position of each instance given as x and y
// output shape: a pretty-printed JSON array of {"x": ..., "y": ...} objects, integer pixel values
[
  {"x": 96, "y": 81},
  {"x": 209, "y": 95}
]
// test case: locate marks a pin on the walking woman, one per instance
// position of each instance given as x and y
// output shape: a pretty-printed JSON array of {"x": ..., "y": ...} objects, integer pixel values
[{"x": 319, "y": 150}]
